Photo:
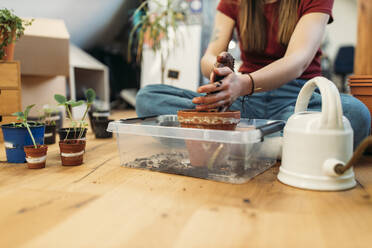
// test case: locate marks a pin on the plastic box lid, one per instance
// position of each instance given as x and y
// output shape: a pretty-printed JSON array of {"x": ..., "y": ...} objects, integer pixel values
[{"x": 167, "y": 126}]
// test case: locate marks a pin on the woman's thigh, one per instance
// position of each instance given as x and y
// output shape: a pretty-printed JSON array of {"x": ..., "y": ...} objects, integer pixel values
[{"x": 158, "y": 99}]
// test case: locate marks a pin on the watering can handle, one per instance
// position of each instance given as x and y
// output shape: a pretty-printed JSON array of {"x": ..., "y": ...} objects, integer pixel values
[{"x": 331, "y": 117}]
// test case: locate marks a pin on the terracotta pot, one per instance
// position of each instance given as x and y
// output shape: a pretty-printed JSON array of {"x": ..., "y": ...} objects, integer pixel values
[
  {"x": 209, "y": 120},
  {"x": 97, "y": 115},
  {"x": 50, "y": 134},
  {"x": 361, "y": 88},
  {"x": 203, "y": 153},
  {"x": 9, "y": 52},
  {"x": 100, "y": 129},
  {"x": 9, "y": 49},
  {"x": 363, "y": 84},
  {"x": 71, "y": 133},
  {"x": 360, "y": 77},
  {"x": 360, "y": 81},
  {"x": 36, "y": 157},
  {"x": 72, "y": 152}
]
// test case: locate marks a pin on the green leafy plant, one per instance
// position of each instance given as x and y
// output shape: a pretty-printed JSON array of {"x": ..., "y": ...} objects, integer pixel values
[
  {"x": 22, "y": 116},
  {"x": 47, "y": 115},
  {"x": 90, "y": 95},
  {"x": 154, "y": 27},
  {"x": 11, "y": 28}
]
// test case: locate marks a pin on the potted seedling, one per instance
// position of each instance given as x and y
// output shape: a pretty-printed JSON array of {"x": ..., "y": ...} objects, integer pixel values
[
  {"x": 153, "y": 27},
  {"x": 53, "y": 114},
  {"x": 218, "y": 119},
  {"x": 18, "y": 136},
  {"x": 11, "y": 29},
  {"x": 99, "y": 119},
  {"x": 50, "y": 118},
  {"x": 72, "y": 147},
  {"x": 78, "y": 128},
  {"x": 98, "y": 111}
]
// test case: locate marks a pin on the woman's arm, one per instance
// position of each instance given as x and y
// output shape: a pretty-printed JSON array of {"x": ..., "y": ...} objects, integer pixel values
[
  {"x": 221, "y": 36},
  {"x": 304, "y": 43}
]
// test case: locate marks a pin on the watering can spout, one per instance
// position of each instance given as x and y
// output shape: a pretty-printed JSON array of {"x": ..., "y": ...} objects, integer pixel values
[
  {"x": 341, "y": 168},
  {"x": 331, "y": 167}
]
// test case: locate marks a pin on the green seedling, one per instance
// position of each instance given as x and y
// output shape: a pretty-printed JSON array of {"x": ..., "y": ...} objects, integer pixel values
[
  {"x": 90, "y": 95},
  {"x": 22, "y": 116}
]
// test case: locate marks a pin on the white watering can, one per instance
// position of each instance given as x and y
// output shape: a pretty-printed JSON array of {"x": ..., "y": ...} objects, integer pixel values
[{"x": 318, "y": 145}]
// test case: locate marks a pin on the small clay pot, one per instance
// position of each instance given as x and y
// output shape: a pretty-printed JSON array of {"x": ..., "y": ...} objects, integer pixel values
[
  {"x": 360, "y": 77},
  {"x": 71, "y": 133},
  {"x": 72, "y": 152},
  {"x": 97, "y": 115},
  {"x": 100, "y": 129},
  {"x": 202, "y": 153},
  {"x": 50, "y": 134},
  {"x": 56, "y": 117},
  {"x": 227, "y": 120},
  {"x": 9, "y": 52},
  {"x": 361, "y": 88},
  {"x": 36, "y": 157}
]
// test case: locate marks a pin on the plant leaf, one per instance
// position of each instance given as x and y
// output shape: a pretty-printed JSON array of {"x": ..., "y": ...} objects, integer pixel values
[
  {"x": 60, "y": 99},
  {"x": 27, "y": 111},
  {"x": 90, "y": 95},
  {"x": 75, "y": 104},
  {"x": 18, "y": 114}
]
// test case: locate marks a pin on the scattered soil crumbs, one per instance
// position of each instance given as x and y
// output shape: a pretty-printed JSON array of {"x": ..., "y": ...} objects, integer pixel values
[{"x": 232, "y": 171}]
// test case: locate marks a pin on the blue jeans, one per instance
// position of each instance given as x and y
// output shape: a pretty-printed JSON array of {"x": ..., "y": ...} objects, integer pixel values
[{"x": 278, "y": 104}]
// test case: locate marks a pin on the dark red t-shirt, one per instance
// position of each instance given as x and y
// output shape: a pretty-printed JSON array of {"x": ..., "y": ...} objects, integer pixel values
[{"x": 253, "y": 61}]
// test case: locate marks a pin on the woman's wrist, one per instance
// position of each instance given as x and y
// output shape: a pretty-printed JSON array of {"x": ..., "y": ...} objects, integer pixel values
[{"x": 246, "y": 85}]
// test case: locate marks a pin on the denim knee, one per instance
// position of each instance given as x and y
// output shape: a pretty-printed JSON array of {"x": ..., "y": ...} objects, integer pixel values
[
  {"x": 359, "y": 117},
  {"x": 142, "y": 101}
]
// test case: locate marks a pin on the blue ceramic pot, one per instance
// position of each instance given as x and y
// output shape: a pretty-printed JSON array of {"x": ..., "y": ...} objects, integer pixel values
[{"x": 15, "y": 138}]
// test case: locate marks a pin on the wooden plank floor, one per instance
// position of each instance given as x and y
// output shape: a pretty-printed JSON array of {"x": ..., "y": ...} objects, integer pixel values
[{"x": 101, "y": 204}]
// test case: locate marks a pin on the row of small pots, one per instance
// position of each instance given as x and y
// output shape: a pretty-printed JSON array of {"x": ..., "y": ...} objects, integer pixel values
[
  {"x": 71, "y": 152},
  {"x": 19, "y": 148},
  {"x": 98, "y": 120}
]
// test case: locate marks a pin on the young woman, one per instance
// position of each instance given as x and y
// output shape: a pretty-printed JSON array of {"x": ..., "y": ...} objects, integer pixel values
[{"x": 279, "y": 43}]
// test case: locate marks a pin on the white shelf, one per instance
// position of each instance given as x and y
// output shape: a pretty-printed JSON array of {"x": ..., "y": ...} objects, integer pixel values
[{"x": 88, "y": 72}]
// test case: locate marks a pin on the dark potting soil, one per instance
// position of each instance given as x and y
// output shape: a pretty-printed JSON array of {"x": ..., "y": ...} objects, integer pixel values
[{"x": 235, "y": 171}]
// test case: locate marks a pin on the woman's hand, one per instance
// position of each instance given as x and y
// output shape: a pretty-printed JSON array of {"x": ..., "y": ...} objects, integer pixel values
[{"x": 222, "y": 93}]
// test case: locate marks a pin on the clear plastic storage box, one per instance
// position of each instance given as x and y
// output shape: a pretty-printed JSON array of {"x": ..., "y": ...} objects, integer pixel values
[{"x": 159, "y": 144}]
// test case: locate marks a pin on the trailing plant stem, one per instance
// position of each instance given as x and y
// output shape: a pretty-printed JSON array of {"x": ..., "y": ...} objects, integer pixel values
[
  {"x": 70, "y": 117},
  {"x": 32, "y": 137},
  {"x": 86, "y": 112}
]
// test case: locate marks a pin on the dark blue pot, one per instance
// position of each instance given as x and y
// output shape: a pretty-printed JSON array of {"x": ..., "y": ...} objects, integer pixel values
[{"x": 15, "y": 138}]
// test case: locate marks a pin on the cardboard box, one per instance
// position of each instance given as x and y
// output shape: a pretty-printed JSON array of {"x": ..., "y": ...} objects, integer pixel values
[
  {"x": 44, "y": 48},
  {"x": 40, "y": 90}
]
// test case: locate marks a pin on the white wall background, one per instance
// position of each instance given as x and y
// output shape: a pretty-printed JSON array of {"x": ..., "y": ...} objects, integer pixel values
[
  {"x": 88, "y": 21},
  {"x": 343, "y": 31}
]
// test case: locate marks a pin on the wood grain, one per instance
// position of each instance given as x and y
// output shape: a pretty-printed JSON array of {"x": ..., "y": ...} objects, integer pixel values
[
  {"x": 102, "y": 204},
  {"x": 363, "y": 51},
  {"x": 9, "y": 75},
  {"x": 10, "y": 101}
]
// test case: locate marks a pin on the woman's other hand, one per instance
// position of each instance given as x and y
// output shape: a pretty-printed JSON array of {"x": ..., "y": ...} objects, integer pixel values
[{"x": 220, "y": 94}]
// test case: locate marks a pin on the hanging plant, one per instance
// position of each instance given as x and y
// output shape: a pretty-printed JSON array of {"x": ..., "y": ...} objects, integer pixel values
[
  {"x": 12, "y": 28},
  {"x": 153, "y": 27}
]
